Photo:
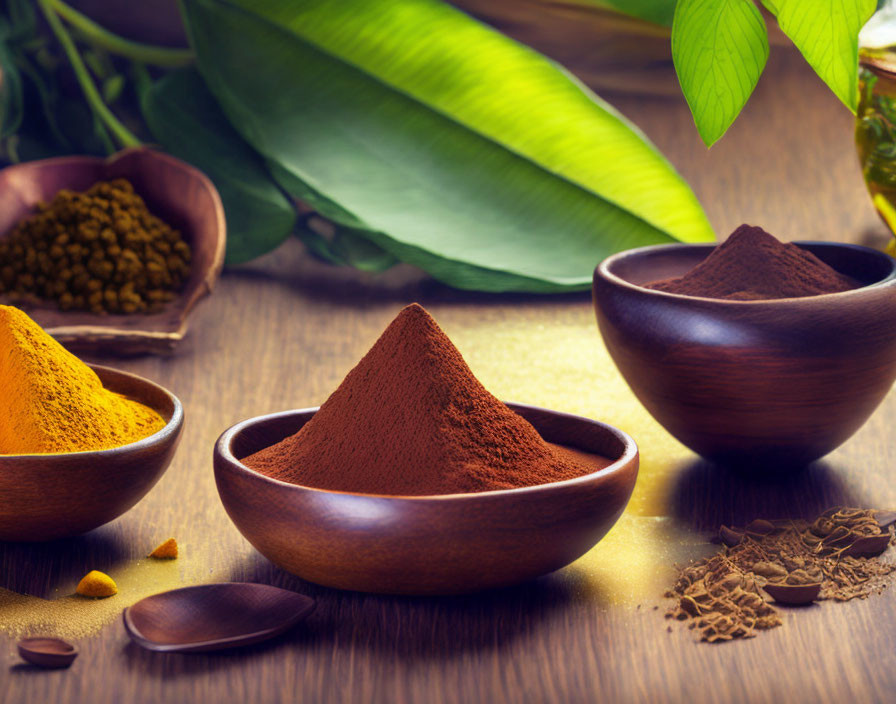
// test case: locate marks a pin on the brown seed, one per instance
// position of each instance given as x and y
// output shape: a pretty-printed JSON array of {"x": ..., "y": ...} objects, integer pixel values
[
  {"x": 868, "y": 545},
  {"x": 769, "y": 570},
  {"x": 795, "y": 594},
  {"x": 730, "y": 537},
  {"x": 760, "y": 527},
  {"x": 731, "y": 581},
  {"x": 884, "y": 519},
  {"x": 841, "y": 535}
]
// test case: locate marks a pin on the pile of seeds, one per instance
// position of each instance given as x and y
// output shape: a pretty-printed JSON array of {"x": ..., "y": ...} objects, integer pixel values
[
  {"x": 101, "y": 250},
  {"x": 792, "y": 562}
]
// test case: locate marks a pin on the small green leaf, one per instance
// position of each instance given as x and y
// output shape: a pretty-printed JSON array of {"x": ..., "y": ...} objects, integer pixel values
[
  {"x": 112, "y": 88},
  {"x": 184, "y": 117},
  {"x": 719, "y": 48},
  {"x": 827, "y": 34}
]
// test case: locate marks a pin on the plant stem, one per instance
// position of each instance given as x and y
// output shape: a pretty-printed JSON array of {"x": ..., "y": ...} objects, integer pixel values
[
  {"x": 101, "y": 37},
  {"x": 122, "y": 134}
]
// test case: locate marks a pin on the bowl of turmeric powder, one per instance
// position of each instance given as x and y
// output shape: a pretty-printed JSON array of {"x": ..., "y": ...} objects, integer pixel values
[
  {"x": 755, "y": 353},
  {"x": 79, "y": 444},
  {"x": 413, "y": 479}
]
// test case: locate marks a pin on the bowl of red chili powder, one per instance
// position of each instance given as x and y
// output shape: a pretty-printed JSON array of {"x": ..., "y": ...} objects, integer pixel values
[
  {"x": 753, "y": 353},
  {"x": 413, "y": 479}
]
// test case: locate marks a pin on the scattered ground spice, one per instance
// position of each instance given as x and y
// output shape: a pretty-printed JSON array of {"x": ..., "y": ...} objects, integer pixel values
[
  {"x": 752, "y": 265},
  {"x": 411, "y": 419},
  {"x": 101, "y": 250},
  {"x": 835, "y": 557}
]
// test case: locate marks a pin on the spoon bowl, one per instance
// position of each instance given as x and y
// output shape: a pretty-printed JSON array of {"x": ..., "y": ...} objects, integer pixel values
[
  {"x": 214, "y": 616},
  {"x": 50, "y": 496},
  {"x": 47, "y": 652},
  {"x": 449, "y": 544}
]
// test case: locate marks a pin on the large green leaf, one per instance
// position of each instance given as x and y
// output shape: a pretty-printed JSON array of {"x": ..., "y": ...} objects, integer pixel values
[
  {"x": 827, "y": 33},
  {"x": 719, "y": 48},
  {"x": 184, "y": 117},
  {"x": 447, "y": 144}
]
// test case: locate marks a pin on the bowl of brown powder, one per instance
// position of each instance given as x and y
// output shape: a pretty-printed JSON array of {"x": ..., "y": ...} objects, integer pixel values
[
  {"x": 755, "y": 352},
  {"x": 413, "y": 479}
]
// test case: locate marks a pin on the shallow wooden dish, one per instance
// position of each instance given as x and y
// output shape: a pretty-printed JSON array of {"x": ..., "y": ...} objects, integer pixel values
[
  {"x": 761, "y": 383},
  {"x": 425, "y": 544},
  {"x": 44, "y": 497},
  {"x": 175, "y": 191}
]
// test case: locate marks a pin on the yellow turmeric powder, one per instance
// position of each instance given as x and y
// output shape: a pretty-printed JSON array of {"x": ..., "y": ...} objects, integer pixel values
[
  {"x": 97, "y": 584},
  {"x": 166, "y": 550},
  {"x": 52, "y": 402}
]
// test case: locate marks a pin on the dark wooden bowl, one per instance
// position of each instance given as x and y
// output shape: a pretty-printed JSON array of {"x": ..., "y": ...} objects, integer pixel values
[
  {"x": 425, "y": 544},
  {"x": 761, "y": 383},
  {"x": 175, "y": 191},
  {"x": 44, "y": 497}
]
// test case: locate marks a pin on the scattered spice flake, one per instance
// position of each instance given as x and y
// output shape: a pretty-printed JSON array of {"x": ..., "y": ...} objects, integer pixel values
[
  {"x": 165, "y": 551},
  {"x": 834, "y": 557},
  {"x": 97, "y": 584}
]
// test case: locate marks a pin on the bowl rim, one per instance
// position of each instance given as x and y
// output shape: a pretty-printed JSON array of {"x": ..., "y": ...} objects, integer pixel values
[
  {"x": 171, "y": 427},
  {"x": 603, "y": 271},
  {"x": 629, "y": 454}
]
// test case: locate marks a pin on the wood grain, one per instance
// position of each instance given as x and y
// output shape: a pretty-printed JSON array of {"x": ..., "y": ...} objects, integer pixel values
[{"x": 283, "y": 332}]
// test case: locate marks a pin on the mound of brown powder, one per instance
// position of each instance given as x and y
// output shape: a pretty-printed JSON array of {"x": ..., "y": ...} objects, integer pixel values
[
  {"x": 411, "y": 419},
  {"x": 753, "y": 265}
]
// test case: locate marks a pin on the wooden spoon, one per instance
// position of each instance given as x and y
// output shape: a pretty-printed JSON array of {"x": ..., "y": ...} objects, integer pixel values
[
  {"x": 47, "y": 652},
  {"x": 214, "y": 616}
]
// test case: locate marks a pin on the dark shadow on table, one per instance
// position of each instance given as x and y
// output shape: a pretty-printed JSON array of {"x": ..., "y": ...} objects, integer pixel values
[
  {"x": 291, "y": 266},
  {"x": 706, "y": 495},
  {"x": 39, "y": 569},
  {"x": 431, "y": 628}
]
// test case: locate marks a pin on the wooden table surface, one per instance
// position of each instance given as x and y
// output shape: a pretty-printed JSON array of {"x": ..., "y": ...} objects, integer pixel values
[{"x": 282, "y": 333}]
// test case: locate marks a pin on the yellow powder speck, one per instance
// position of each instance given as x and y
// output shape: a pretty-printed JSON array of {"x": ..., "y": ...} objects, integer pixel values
[
  {"x": 165, "y": 551},
  {"x": 97, "y": 584}
]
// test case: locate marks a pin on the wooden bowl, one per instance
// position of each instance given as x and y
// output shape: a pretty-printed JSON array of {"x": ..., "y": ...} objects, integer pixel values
[
  {"x": 44, "y": 497},
  {"x": 425, "y": 544},
  {"x": 175, "y": 191},
  {"x": 765, "y": 383}
]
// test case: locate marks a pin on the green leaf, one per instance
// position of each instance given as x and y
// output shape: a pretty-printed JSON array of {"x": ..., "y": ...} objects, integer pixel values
[
  {"x": 112, "y": 88},
  {"x": 827, "y": 34},
  {"x": 11, "y": 98},
  {"x": 184, "y": 117},
  {"x": 446, "y": 143},
  {"x": 719, "y": 48},
  {"x": 656, "y": 11}
]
